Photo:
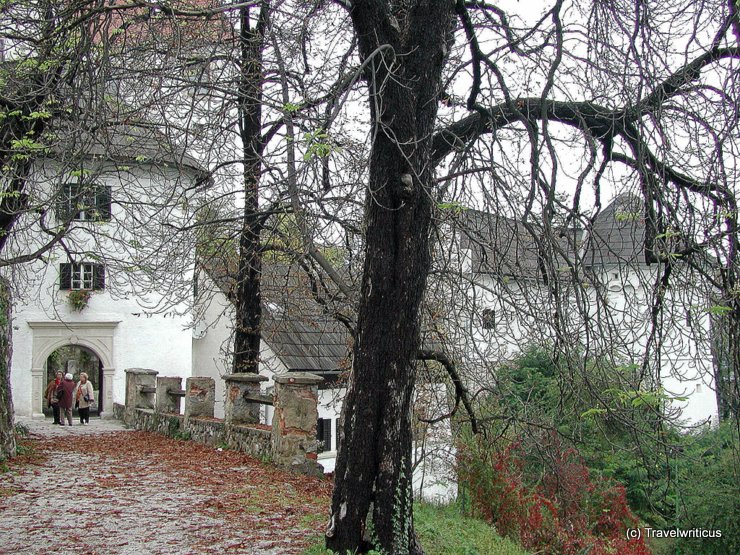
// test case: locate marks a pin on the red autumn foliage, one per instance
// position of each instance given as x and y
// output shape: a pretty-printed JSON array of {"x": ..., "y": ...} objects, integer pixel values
[
  {"x": 564, "y": 512},
  {"x": 155, "y": 494}
]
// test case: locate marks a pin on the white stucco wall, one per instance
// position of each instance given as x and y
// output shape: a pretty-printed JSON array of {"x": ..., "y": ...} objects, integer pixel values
[
  {"x": 212, "y": 344},
  {"x": 131, "y": 322},
  {"x": 618, "y": 322},
  {"x": 212, "y": 340}
]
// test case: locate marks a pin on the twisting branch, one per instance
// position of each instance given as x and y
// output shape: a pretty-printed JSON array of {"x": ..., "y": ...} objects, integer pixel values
[{"x": 461, "y": 393}]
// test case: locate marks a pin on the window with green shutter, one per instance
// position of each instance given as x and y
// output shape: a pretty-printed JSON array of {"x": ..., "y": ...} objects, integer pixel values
[
  {"x": 323, "y": 434},
  {"x": 84, "y": 275}
]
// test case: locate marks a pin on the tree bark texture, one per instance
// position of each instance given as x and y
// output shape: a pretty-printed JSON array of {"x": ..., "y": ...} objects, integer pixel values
[
  {"x": 407, "y": 42},
  {"x": 248, "y": 303},
  {"x": 7, "y": 436}
]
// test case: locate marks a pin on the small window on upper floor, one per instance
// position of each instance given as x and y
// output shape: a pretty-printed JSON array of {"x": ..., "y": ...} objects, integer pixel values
[
  {"x": 488, "y": 319},
  {"x": 84, "y": 202},
  {"x": 85, "y": 275}
]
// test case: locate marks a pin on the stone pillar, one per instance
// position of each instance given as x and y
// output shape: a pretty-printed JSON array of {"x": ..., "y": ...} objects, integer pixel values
[
  {"x": 38, "y": 387},
  {"x": 166, "y": 403},
  {"x": 138, "y": 381},
  {"x": 294, "y": 441},
  {"x": 237, "y": 409},
  {"x": 200, "y": 395},
  {"x": 106, "y": 395}
]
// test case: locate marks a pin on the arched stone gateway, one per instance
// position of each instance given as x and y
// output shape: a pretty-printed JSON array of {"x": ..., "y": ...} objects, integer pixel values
[
  {"x": 76, "y": 359},
  {"x": 49, "y": 335}
]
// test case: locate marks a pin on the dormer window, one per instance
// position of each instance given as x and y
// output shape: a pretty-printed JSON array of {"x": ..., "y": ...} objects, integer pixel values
[
  {"x": 84, "y": 202},
  {"x": 81, "y": 276}
]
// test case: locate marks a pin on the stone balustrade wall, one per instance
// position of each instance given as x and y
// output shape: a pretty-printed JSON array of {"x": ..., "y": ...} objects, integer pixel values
[{"x": 290, "y": 442}]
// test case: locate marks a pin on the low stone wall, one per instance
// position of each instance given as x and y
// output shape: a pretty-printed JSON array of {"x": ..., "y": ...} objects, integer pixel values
[
  {"x": 150, "y": 420},
  {"x": 292, "y": 445},
  {"x": 255, "y": 441}
]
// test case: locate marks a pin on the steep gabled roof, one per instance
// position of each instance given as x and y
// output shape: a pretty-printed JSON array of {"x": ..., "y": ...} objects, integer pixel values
[
  {"x": 294, "y": 324},
  {"x": 315, "y": 345},
  {"x": 141, "y": 143},
  {"x": 618, "y": 234},
  {"x": 503, "y": 246}
]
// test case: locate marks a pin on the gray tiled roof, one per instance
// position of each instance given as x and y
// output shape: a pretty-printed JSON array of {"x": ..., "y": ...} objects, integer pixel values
[
  {"x": 618, "y": 234},
  {"x": 294, "y": 324},
  {"x": 140, "y": 143},
  {"x": 318, "y": 344},
  {"x": 503, "y": 246},
  {"x": 104, "y": 126}
]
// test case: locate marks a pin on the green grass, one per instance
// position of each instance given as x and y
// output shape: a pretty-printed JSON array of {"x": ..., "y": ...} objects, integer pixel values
[{"x": 444, "y": 531}]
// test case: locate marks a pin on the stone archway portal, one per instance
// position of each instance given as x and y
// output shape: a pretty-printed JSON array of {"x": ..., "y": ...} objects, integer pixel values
[{"x": 49, "y": 335}]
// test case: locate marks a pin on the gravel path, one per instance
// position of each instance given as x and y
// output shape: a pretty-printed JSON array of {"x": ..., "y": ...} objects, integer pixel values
[{"x": 101, "y": 489}]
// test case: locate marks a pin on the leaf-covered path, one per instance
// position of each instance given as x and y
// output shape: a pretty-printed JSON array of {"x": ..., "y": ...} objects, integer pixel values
[{"x": 104, "y": 490}]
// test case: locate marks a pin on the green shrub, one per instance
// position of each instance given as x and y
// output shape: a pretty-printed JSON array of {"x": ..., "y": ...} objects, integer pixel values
[
  {"x": 610, "y": 417},
  {"x": 706, "y": 489}
]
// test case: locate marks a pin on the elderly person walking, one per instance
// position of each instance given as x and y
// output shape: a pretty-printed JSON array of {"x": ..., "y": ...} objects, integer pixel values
[
  {"x": 51, "y": 395},
  {"x": 84, "y": 398},
  {"x": 66, "y": 400}
]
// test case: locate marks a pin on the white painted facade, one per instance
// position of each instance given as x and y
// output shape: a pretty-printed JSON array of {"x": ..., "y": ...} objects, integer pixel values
[
  {"x": 685, "y": 358},
  {"x": 612, "y": 315},
  {"x": 131, "y": 322}
]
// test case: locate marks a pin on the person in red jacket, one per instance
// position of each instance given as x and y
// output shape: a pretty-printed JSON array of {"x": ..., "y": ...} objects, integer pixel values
[
  {"x": 51, "y": 395},
  {"x": 66, "y": 400}
]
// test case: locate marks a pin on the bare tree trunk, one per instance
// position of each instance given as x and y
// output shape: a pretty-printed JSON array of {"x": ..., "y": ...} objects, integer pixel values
[
  {"x": 248, "y": 317},
  {"x": 374, "y": 464},
  {"x": 7, "y": 437}
]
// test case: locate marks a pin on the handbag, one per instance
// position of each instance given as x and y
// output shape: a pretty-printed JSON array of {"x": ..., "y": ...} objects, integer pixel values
[
  {"x": 59, "y": 394},
  {"x": 87, "y": 398}
]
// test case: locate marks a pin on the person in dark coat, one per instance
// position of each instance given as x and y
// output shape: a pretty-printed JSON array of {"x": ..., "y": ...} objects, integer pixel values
[{"x": 66, "y": 401}]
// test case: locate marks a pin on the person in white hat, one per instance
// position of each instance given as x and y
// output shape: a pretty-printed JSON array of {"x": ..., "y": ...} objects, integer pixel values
[{"x": 66, "y": 398}]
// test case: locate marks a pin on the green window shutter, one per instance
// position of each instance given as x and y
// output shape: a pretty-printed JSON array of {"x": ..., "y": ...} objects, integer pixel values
[
  {"x": 65, "y": 276},
  {"x": 323, "y": 434},
  {"x": 102, "y": 202},
  {"x": 98, "y": 276},
  {"x": 63, "y": 203}
]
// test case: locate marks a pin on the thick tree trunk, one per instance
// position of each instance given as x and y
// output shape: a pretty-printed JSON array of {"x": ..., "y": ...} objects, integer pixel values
[
  {"x": 374, "y": 463},
  {"x": 7, "y": 436},
  {"x": 247, "y": 332}
]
